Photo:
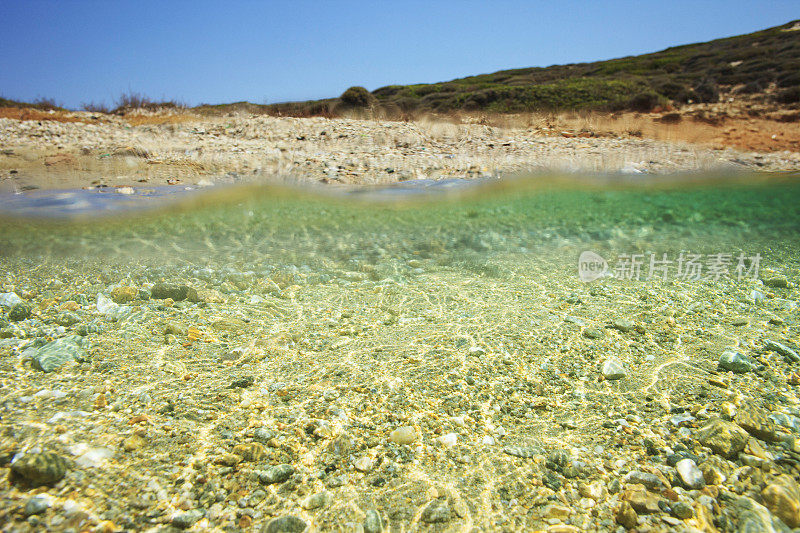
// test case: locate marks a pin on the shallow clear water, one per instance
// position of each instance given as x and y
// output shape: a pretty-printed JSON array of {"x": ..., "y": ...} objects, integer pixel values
[
  {"x": 259, "y": 227},
  {"x": 332, "y": 319}
]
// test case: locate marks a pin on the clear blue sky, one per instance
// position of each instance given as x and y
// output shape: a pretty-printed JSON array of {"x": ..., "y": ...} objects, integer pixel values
[{"x": 201, "y": 51}]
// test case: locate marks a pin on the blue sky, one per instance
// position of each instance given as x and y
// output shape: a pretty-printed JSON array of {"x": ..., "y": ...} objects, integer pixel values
[{"x": 200, "y": 51}]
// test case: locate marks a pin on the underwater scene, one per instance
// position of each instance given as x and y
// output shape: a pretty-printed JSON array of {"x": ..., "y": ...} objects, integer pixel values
[{"x": 543, "y": 353}]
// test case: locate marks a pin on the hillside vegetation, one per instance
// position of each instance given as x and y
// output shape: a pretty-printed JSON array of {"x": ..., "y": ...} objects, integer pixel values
[{"x": 765, "y": 63}]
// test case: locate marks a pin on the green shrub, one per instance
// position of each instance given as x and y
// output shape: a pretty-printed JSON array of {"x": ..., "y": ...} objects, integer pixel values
[
  {"x": 388, "y": 91},
  {"x": 752, "y": 87},
  {"x": 789, "y": 79},
  {"x": 789, "y": 96},
  {"x": 357, "y": 97},
  {"x": 644, "y": 102},
  {"x": 707, "y": 91},
  {"x": 677, "y": 92},
  {"x": 407, "y": 104}
]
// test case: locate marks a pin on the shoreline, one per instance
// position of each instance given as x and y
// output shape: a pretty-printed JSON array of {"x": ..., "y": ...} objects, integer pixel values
[{"x": 191, "y": 150}]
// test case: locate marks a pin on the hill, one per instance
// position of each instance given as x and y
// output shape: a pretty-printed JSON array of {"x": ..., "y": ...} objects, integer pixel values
[
  {"x": 763, "y": 65},
  {"x": 760, "y": 70}
]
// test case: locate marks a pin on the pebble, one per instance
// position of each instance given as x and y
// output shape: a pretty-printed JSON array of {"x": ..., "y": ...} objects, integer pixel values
[
  {"x": 403, "y": 435},
  {"x": 728, "y": 410},
  {"x": 525, "y": 452},
  {"x": 735, "y": 362},
  {"x": 87, "y": 456},
  {"x": 242, "y": 383},
  {"x": 315, "y": 501},
  {"x": 626, "y": 516},
  {"x": 251, "y": 451},
  {"x": 341, "y": 445},
  {"x": 67, "y": 319},
  {"x": 448, "y": 440},
  {"x": 10, "y": 299},
  {"x": 622, "y": 324},
  {"x": 372, "y": 522},
  {"x": 263, "y": 435},
  {"x": 276, "y": 474},
  {"x": 758, "y": 423},
  {"x": 755, "y": 518},
  {"x": 782, "y": 498},
  {"x": 186, "y": 519},
  {"x": 691, "y": 476},
  {"x": 681, "y": 510},
  {"x": 569, "y": 424},
  {"x": 436, "y": 511},
  {"x": 651, "y": 481},
  {"x": 284, "y": 524},
  {"x": 132, "y": 443},
  {"x": 641, "y": 500},
  {"x": 227, "y": 459},
  {"x": 613, "y": 369},
  {"x": 723, "y": 437},
  {"x": 778, "y": 282},
  {"x": 364, "y": 464},
  {"x": 124, "y": 294},
  {"x": 175, "y": 292},
  {"x": 106, "y": 307},
  {"x": 43, "y": 468},
  {"x": 575, "y": 320},
  {"x": 592, "y": 333},
  {"x": 37, "y": 505},
  {"x": 790, "y": 355},
  {"x": 55, "y": 354},
  {"x": 595, "y": 490},
  {"x": 551, "y": 481},
  {"x": 19, "y": 312},
  {"x": 553, "y": 510}
]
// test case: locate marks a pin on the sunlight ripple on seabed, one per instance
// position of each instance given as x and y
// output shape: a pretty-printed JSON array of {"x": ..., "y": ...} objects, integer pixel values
[{"x": 424, "y": 356}]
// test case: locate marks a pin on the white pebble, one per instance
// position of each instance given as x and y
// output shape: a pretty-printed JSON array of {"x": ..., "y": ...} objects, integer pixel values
[{"x": 448, "y": 440}]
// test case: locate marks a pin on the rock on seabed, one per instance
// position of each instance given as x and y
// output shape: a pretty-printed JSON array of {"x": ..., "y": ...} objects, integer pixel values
[
  {"x": 55, "y": 354},
  {"x": 724, "y": 438},
  {"x": 44, "y": 468},
  {"x": 613, "y": 369}
]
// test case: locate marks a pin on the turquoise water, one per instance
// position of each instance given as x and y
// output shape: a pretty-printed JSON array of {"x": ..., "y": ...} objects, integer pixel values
[{"x": 395, "y": 223}]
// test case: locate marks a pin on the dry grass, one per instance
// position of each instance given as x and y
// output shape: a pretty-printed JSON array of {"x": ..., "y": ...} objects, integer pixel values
[
  {"x": 18, "y": 113},
  {"x": 95, "y": 107},
  {"x": 160, "y": 118},
  {"x": 737, "y": 131}
]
